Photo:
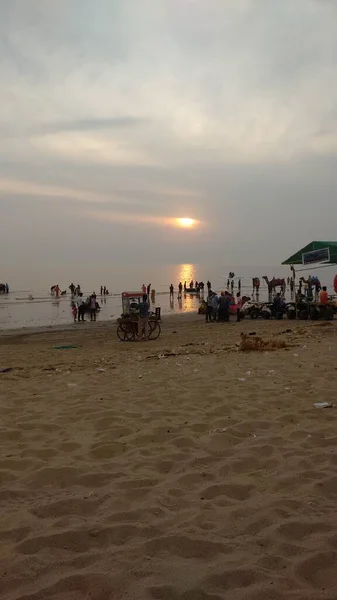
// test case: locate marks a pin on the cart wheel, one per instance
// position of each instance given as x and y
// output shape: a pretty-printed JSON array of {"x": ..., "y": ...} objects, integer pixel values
[
  {"x": 126, "y": 332},
  {"x": 154, "y": 330},
  {"x": 254, "y": 313}
]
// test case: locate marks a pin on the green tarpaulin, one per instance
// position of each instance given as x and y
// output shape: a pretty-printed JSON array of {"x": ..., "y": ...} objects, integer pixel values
[{"x": 296, "y": 259}]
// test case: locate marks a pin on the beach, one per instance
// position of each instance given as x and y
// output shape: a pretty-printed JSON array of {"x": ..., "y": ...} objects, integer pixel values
[{"x": 179, "y": 469}]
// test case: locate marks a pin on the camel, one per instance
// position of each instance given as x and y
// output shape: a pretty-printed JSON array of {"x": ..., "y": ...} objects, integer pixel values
[
  {"x": 256, "y": 285},
  {"x": 274, "y": 283}
]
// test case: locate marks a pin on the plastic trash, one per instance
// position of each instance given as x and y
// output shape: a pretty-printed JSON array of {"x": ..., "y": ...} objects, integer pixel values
[
  {"x": 101, "y": 370},
  {"x": 67, "y": 347},
  {"x": 323, "y": 405}
]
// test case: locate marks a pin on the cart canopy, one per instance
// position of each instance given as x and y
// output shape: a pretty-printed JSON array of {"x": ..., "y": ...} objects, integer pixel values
[{"x": 313, "y": 253}]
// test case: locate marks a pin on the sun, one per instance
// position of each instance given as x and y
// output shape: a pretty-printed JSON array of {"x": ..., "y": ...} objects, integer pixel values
[{"x": 185, "y": 222}]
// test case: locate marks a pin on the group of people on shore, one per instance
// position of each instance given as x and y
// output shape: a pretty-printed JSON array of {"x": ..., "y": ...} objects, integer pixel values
[
  {"x": 80, "y": 306},
  {"x": 217, "y": 306}
]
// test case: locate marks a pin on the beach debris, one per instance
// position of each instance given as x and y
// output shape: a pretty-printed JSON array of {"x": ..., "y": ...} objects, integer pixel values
[
  {"x": 101, "y": 370},
  {"x": 296, "y": 355},
  {"x": 140, "y": 376},
  {"x": 323, "y": 405},
  {"x": 252, "y": 333},
  {"x": 6, "y": 369},
  {"x": 223, "y": 430},
  {"x": 65, "y": 347},
  {"x": 259, "y": 344},
  {"x": 248, "y": 373},
  {"x": 241, "y": 379}
]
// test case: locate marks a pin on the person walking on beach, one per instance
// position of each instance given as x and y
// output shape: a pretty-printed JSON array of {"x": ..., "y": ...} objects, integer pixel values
[
  {"x": 72, "y": 289},
  {"x": 74, "y": 311},
  {"x": 92, "y": 306},
  {"x": 80, "y": 307},
  {"x": 185, "y": 286},
  {"x": 57, "y": 290},
  {"x": 171, "y": 290},
  {"x": 209, "y": 285},
  {"x": 238, "y": 307},
  {"x": 239, "y": 286},
  {"x": 180, "y": 289},
  {"x": 148, "y": 290},
  {"x": 209, "y": 307},
  {"x": 101, "y": 290},
  {"x": 215, "y": 305},
  {"x": 78, "y": 290},
  {"x": 143, "y": 321}
]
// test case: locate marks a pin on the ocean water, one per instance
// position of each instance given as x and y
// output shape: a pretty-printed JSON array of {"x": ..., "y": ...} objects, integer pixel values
[{"x": 17, "y": 310}]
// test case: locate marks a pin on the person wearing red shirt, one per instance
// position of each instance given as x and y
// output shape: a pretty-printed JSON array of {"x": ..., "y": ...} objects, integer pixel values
[{"x": 323, "y": 297}]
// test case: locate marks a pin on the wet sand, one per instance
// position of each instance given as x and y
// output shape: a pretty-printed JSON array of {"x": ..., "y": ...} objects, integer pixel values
[{"x": 200, "y": 475}]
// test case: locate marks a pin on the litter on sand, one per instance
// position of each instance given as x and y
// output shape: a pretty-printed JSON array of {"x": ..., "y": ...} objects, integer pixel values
[
  {"x": 67, "y": 347},
  {"x": 241, "y": 379},
  {"x": 323, "y": 405},
  {"x": 6, "y": 369}
]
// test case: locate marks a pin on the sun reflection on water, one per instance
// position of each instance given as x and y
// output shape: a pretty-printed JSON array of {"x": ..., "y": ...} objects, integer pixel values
[{"x": 186, "y": 273}]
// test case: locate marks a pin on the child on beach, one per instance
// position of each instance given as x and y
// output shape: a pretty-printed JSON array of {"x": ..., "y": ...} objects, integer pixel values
[{"x": 74, "y": 311}]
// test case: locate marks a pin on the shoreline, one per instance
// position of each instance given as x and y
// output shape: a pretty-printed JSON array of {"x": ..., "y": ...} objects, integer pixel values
[{"x": 96, "y": 327}]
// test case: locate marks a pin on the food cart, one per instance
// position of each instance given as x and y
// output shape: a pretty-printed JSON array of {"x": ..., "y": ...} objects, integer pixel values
[{"x": 127, "y": 330}]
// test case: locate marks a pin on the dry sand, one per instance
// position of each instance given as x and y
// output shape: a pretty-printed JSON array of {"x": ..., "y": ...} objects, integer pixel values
[{"x": 168, "y": 478}]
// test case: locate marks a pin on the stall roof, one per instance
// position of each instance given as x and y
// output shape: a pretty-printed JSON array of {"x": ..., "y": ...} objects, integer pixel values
[{"x": 297, "y": 258}]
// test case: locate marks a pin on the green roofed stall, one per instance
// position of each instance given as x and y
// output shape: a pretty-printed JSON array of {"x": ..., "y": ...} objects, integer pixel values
[{"x": 314, "y": 253}]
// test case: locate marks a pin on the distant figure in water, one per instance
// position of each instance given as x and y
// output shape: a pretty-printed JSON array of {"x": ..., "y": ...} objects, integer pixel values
[
  {"x": 180, "y": 288},
  {"x": 57, "y": 290},
  {"x": 149, "y": 289},
  {"x": 239, "y": 286},
  {"x": 105, "y": 291},
  {"x": 72, "y": 289},
  {"x": 209, "y": 286},
  {"x": 144, "y": 288},
  {"x": 52, "y": 290},
  {"x": 101, "y": 290},
  {"x": 191, "y": 284},
  {"x": 228, "y": 284},
  {"x": 185, "y": 287},
  {"x": 78, "y": 290},
  {"x": 171, "y": 289}
]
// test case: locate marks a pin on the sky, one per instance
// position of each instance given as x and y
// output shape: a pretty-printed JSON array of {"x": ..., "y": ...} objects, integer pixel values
[{"x": 118, "y": 116}]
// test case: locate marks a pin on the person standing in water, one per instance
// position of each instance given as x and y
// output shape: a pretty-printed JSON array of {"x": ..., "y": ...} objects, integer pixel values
[
  {"x": 148, "y": 290},
  {"x": 171, "y": 290},
  {"x": 92, "y": 306},
  {"x": 80, "y": 307}
]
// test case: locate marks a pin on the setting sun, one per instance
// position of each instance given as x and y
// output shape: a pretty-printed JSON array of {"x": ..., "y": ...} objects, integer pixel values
[{"x": 185, "y": 222}]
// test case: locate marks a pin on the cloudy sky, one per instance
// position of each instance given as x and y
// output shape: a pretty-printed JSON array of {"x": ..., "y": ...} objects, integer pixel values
[{"x": 117, "y": 116}]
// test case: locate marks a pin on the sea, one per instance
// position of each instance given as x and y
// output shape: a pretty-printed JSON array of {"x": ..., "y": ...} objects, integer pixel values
[{"x": 30, "y": 304}]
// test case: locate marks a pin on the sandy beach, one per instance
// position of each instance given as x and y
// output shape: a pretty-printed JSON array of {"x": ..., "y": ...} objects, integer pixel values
[{"x": 180, "y": 469}]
